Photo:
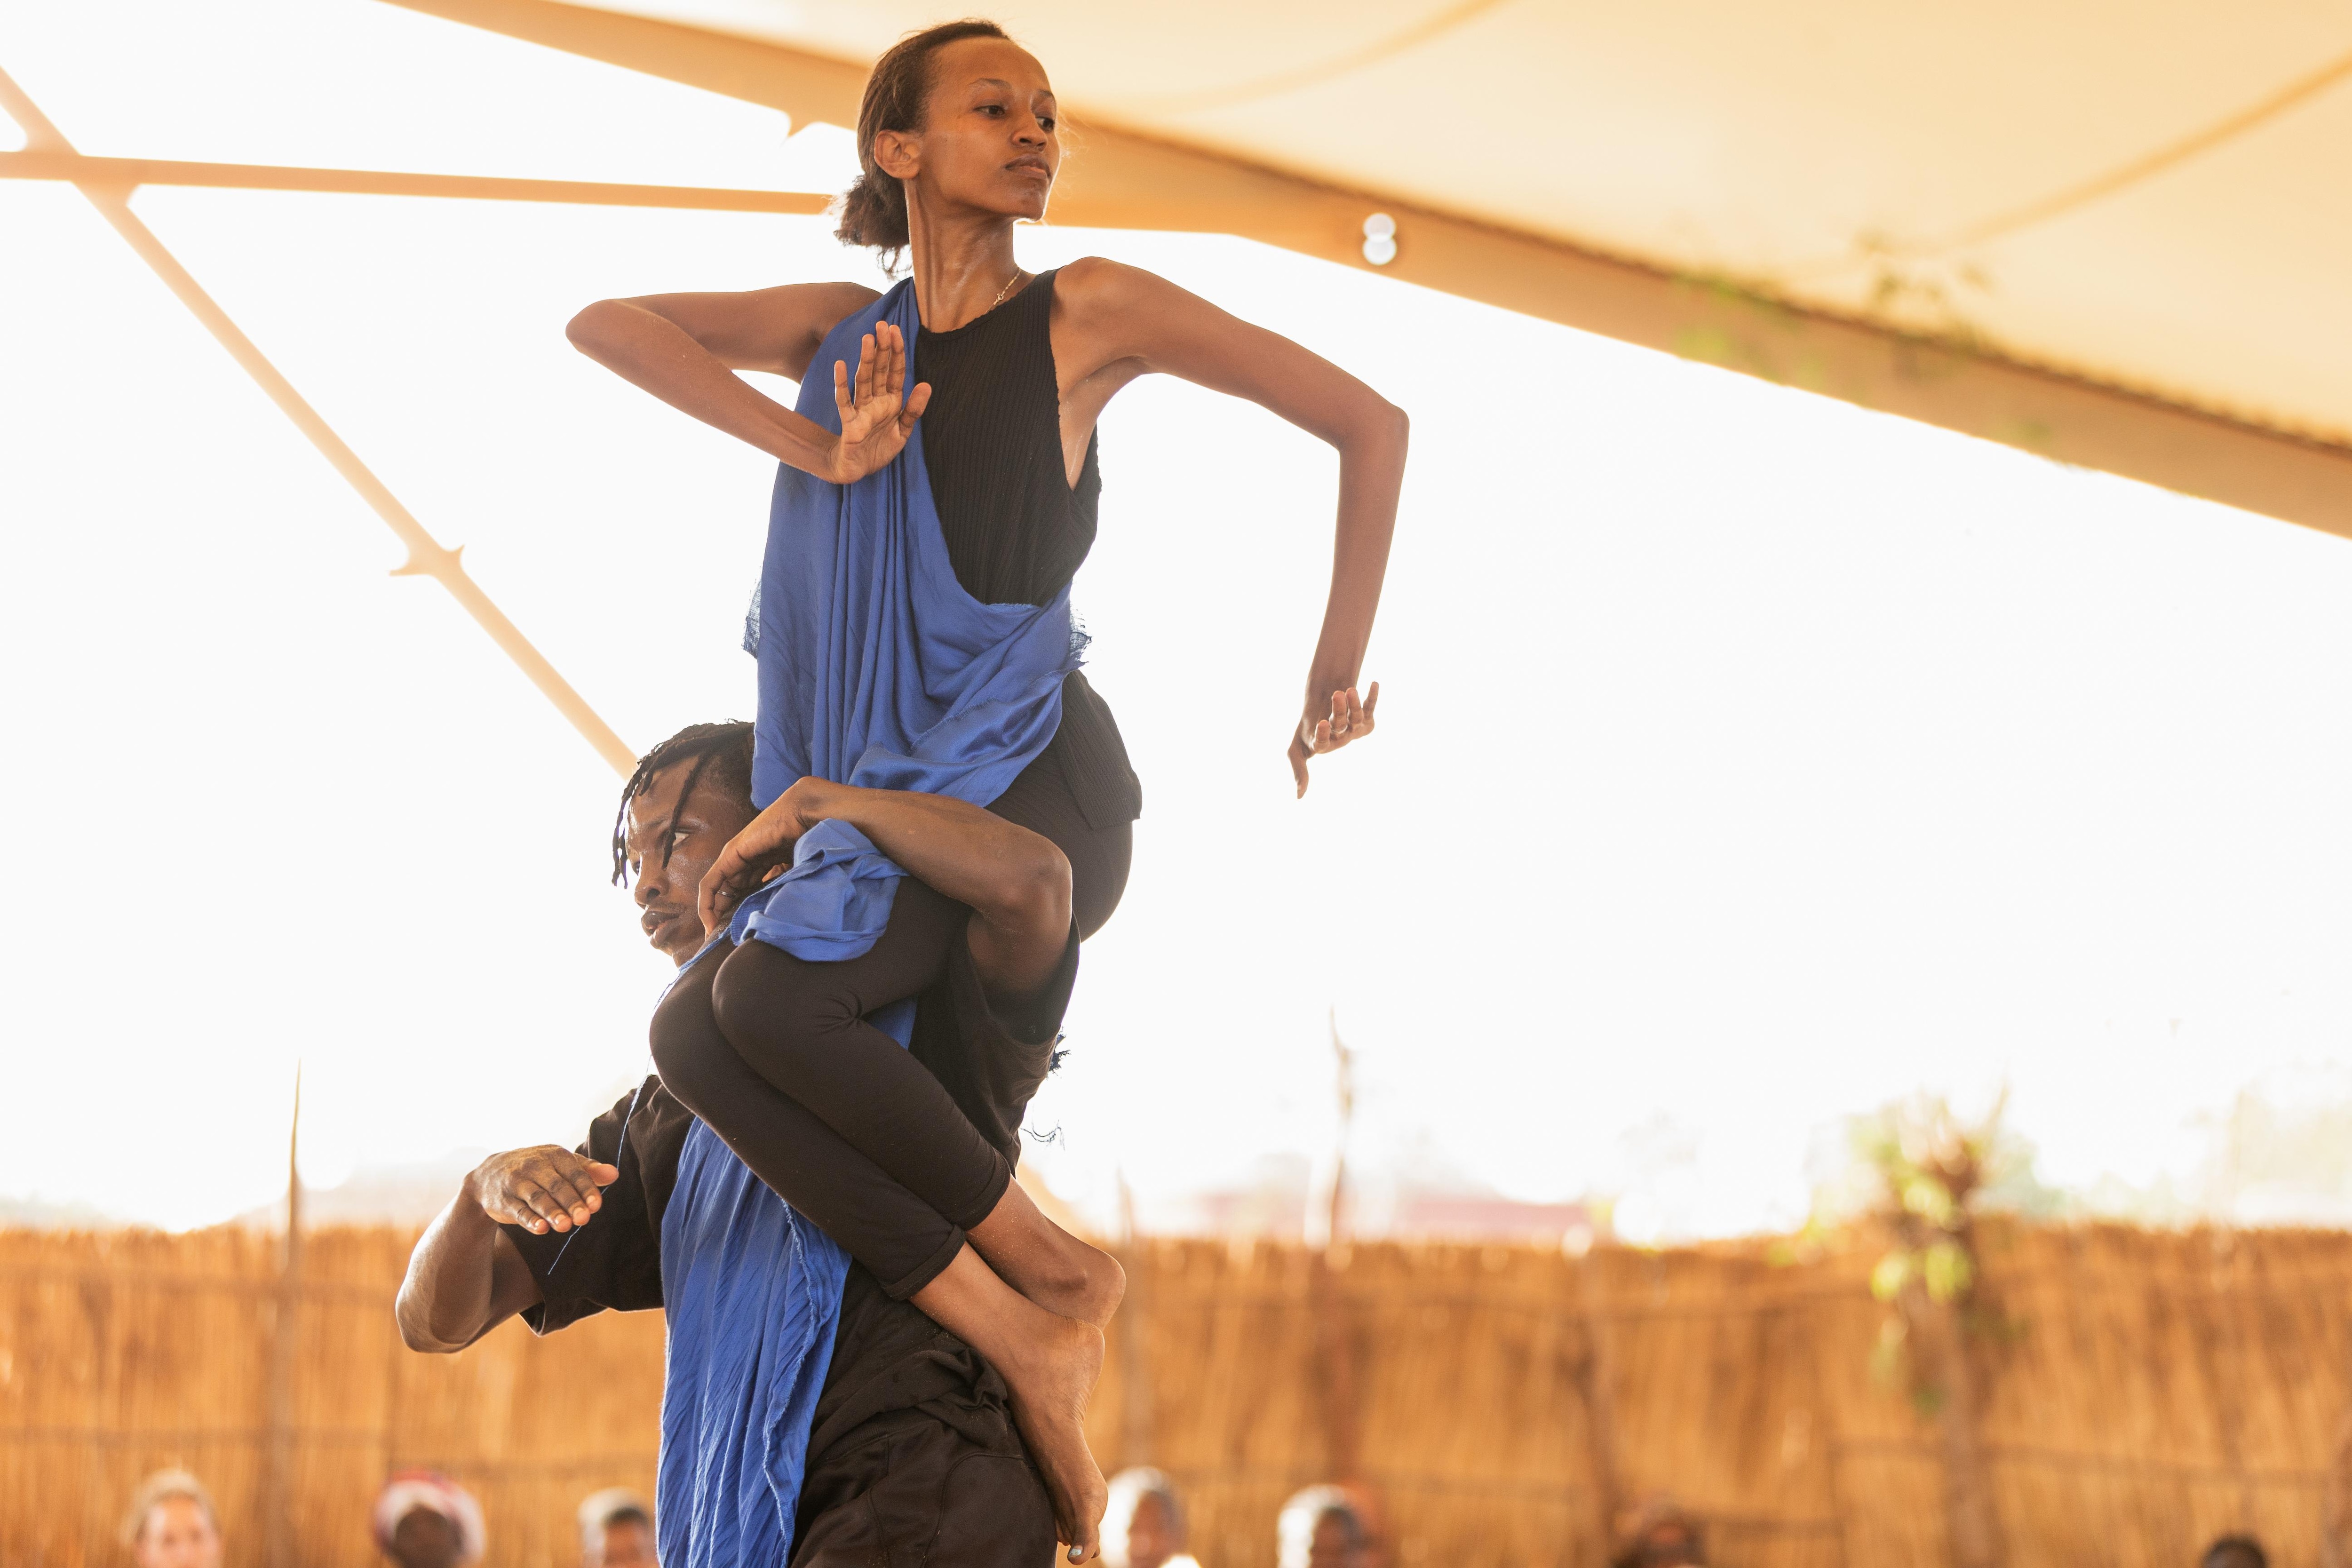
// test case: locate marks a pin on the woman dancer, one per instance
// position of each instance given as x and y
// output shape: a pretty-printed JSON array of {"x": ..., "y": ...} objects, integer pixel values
[{"x": 958, "y": 140}]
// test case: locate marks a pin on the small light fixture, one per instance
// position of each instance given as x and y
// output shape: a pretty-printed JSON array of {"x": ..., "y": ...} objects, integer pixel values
[{"x": 1379, "y": 240}]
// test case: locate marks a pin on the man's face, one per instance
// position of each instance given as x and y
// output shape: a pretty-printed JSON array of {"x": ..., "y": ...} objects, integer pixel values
[
  {"x": 1335, "y": 1544},
  {"x": 1151, "y": 1537},
  {"x": 627, "y": 1544},
  {"x": 423, "y": 1539},
  {"x": 1669, "y": 1545},
  {"x": 694, "y": 831},
  {"x": 178, "y": 1533}
]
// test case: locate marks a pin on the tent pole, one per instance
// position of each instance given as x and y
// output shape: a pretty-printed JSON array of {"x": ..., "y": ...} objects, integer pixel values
[
  {"x": 120, "y": 173},
  {"x": 425, "y": 555},
  {"x": 277, "y": 1459}
]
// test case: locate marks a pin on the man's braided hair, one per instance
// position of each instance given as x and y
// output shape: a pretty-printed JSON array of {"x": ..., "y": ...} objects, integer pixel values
[{"x": 726, "y": 747}]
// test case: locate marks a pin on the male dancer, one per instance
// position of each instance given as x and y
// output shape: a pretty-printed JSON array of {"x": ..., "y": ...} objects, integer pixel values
[{"x": 912, "y": 1441}]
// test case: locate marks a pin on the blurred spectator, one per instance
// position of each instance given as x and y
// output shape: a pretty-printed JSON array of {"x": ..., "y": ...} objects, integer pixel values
[
  {"x": 2235, "y": 1552},
  {"x": 1660, "y": 1534},
  {"x": 1144, "y": 1526},
  {"x": 1319, "y": 1527},
  {"x": 617, "y": 1530},
  {"x": 425, "y": 1519},
  {"x": 170, "y": 1524}
]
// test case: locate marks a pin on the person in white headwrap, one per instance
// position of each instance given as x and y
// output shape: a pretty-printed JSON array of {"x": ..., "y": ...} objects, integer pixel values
[
  {"x": 425, "y": 1519},
  {"x": 172, "y": 1523},
  {"x": 1321, "y": 1528},
  {"x": 1144, "y": 1525}
]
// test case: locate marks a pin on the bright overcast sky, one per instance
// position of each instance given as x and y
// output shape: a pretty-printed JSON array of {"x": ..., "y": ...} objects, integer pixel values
[{"x": 1746, "y": 760}]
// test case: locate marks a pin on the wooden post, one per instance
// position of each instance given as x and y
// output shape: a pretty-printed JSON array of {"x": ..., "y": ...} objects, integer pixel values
[
  {"x": 277, "y": 1472},
  {"x": 1940, "y": 1332},
  {"x": 1335, "y": 1348},
  {"x": 1134, "y": 1335},
  {"x": 1596, "y": 1380},
  {"x": 2336, "y": 1502}
]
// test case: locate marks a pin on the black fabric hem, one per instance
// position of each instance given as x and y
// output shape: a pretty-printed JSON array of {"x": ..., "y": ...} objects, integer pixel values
[
  {"x": 930, "y": 1268},
  {"x": 985, "y": 1205}
]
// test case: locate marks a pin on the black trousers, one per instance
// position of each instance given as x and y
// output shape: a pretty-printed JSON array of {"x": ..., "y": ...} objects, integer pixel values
[
  {"x": 913, "y": 1455},
  {"x": 774, "y": 1053}
]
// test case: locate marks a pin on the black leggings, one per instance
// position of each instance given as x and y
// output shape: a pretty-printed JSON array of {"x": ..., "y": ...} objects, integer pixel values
[{"x": 773, "y": 1052}]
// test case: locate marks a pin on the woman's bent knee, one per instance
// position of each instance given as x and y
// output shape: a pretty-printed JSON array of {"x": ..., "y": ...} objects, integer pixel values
[
  {"x": 687, "y": 1045},
  {"x": 773, "y": 1008}
]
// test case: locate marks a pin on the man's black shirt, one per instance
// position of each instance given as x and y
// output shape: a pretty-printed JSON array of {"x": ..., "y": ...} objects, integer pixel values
[{"x": 886, "y": 1355}]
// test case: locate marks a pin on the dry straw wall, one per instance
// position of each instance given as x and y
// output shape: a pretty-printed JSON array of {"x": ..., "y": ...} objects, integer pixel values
[{"x": 2138, "y": 1393}]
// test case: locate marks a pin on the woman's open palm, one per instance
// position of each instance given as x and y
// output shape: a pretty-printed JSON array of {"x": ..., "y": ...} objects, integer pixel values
[{"x": 878, "y": 412}]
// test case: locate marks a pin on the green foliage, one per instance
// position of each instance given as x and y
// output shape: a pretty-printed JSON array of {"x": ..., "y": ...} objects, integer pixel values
[
  {"x": 1926, "y": 1174},
  {"x": 1947, "y": 1270}
]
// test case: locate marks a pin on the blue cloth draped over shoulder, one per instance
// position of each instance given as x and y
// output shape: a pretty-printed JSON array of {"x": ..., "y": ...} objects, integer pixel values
[
  {"x": 878, "y": 669},
  {"x": 752, "y": 1292}
]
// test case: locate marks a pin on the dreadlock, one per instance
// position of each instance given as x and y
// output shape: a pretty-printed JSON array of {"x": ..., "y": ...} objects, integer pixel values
[{"x": 728, "y": 745}]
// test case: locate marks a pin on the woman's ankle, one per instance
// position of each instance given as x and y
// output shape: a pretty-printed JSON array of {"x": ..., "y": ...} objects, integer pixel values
[{"x": 1045, "y": 1263}]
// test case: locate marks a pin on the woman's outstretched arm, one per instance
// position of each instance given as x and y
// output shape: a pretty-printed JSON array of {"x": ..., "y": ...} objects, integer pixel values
[
  {"x": 685, "y": 349},
  {"x": 1114, "y": 322}
]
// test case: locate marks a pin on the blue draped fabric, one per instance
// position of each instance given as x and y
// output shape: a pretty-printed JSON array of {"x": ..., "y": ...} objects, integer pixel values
[
  {"x": 878, "y": 669},
  {"x": 752, "y": 1292}
]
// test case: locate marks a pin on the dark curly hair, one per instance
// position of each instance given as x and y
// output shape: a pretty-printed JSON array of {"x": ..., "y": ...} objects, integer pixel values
[
  {"x": 874, "y": 213},
  {"x": 724, "y": 750}
]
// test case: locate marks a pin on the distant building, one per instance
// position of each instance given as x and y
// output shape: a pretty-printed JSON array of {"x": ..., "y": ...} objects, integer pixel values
[{"x": 1383, "y": 1204}]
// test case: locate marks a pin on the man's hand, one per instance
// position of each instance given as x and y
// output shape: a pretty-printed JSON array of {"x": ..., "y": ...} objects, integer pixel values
[{"x": 540, "y": 1189}]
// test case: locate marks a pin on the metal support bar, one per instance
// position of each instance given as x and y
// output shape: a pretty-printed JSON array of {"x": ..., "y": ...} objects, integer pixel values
[
  {"x": 425, "y": 554},
  {"x": 74, "y": 168}
]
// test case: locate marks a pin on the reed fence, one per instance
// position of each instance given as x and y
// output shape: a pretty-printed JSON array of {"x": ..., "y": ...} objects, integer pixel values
[{"x": 2136, "y": 1394}]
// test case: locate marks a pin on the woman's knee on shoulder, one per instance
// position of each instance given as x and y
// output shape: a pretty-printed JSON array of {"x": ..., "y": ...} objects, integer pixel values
[
  {"x": 771, "y": 1005},
  {"x": 689, "y": 1051}
]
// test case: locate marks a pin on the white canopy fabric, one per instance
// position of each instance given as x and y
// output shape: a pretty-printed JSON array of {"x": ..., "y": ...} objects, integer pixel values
[{"x": 2116, "y": 232}]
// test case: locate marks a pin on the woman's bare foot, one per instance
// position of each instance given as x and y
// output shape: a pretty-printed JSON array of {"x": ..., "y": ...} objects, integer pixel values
[
  {"x": 1050, "y": 1387},
  {"x": 1046, "y": 1263},
  {"x": 1049, "y": 1363}
]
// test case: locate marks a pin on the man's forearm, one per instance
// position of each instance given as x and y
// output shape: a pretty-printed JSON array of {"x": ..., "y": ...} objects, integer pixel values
[{"x": 449, "y": 1298}]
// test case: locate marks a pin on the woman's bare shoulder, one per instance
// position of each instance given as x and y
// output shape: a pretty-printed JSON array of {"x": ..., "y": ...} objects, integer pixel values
[
  {"x": 775, "y": 330},
  {"x": 1098, "y": 281},
  {"x": 847, "y": 296},
  {"x": 815, "y": 307}
]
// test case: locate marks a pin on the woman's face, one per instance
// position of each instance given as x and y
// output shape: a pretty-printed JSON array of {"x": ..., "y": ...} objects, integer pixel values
[
  {"x": 991, "y": 142},
  {"x": 178, "y": 1533}
]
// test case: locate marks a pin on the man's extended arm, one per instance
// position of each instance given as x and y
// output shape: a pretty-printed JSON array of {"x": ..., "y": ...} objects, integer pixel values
[
  {"x": 1018, "y": 883},
  {"x": 465, "y": 1277}
]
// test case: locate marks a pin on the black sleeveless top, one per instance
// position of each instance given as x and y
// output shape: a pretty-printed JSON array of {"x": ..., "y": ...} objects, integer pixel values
[{"x": 1016, "y": 529}]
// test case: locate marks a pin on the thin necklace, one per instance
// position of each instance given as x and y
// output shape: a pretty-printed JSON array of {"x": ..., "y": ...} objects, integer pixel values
[{"x": 1001, "y": 293}]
